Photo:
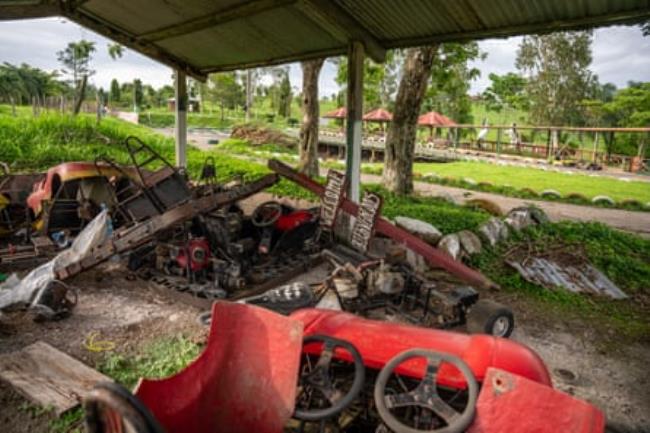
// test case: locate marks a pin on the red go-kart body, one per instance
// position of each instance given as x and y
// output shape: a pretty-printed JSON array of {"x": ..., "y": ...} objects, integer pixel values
[{"x": 246, "y": 378}]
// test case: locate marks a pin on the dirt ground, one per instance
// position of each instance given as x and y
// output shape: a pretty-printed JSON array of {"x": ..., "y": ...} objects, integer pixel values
[{"x": 131, "y": 314}]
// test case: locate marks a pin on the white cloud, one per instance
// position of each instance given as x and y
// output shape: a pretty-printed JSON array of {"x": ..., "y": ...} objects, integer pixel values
[{"x": 620, "y": 54}]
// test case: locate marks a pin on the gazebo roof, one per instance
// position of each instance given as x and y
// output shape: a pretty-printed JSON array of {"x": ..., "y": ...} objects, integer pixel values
[
  {"x": 203, "y": 36},
  {"x": 339, "y": 113},
  {"x": 433, "y": 118},
  {"x": 378, "y": 115}
]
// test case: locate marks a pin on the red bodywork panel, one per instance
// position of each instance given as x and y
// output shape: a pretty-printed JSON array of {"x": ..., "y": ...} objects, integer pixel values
[
  {"x": 244, "y": 381},
  {"x": 295, "y": 219},
  {"x": 67, "y": 171},
  {"x": 378, "y": 342},
  {"x": 193, "y": 249},
  {"x": 544, "y": 410}
]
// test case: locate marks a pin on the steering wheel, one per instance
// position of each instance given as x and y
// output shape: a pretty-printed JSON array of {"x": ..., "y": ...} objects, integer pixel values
[
  {"x": 425, "y": 395},
  {"x": 111, "y": 408},
  {"x": 318, "y": 377},
  {"x": 266, "y": 214}
]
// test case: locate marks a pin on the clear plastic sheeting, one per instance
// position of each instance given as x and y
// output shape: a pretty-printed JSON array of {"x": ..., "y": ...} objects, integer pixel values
[{"x": 30, "y": 289}]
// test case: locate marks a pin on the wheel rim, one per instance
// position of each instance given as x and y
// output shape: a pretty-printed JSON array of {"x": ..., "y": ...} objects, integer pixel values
[{"x": 500, "y": 327}]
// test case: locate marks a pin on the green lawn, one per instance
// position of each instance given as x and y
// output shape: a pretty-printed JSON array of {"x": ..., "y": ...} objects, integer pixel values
[{"x": 539, "y": 180}]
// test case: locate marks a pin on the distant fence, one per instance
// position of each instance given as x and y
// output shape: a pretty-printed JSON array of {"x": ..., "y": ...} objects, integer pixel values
[{"x": 538, "y": 142}]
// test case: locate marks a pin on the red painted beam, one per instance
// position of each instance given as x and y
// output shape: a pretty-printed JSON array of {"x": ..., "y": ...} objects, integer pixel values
[{"x": 432, "y": 255}]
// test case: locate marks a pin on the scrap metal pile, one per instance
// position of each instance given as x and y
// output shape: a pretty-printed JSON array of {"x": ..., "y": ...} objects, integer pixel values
[{"x": 196, "y": 242}]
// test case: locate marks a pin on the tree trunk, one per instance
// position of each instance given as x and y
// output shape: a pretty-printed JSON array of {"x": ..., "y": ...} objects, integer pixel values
[
  {"x": 310, "y": 117},
  {"x": 80, "y": 94},
  {"x": 400, "y": 142}
]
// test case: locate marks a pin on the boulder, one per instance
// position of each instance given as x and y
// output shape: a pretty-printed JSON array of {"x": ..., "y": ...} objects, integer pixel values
[
  {"x": 450, "y": 245},
  {"x": 519, "y": 219},
  {"x": 470, "y": 243},
  {"x": 551, "y": 193},
  {"x": 537, "y": 215},
  {"x": 494, "y": 231},
  {"x": 603, "y": 199},
  {"x": 419, "y": 228}
]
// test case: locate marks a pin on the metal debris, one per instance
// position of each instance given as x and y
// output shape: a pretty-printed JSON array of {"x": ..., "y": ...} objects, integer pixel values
[{"x": 576, "y": 278}]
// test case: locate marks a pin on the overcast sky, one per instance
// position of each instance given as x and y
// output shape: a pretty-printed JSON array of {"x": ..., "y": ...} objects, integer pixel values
[{"x": 620, "y": 54}]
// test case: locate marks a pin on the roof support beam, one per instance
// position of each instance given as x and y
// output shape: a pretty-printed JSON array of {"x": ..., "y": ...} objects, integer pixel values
[
  {"x": 194, "y": 25},
  {"x": 180, "y": 129},
  {"x": 341, "y": 25},
  {"x": 354, "y": 121},
  {"x": 631, "y": 17},
  {"x": 123, "y": 37}
]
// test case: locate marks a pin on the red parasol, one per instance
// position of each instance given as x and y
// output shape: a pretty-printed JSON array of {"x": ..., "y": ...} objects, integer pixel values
[
  {"x": 339, "y": 113},
  {"x": 378, "y": 115},
  {"x": 433, "y": 118}
]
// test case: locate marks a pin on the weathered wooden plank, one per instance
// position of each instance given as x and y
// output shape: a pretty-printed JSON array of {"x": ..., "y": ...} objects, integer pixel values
[{"x": 48, "y": 377}]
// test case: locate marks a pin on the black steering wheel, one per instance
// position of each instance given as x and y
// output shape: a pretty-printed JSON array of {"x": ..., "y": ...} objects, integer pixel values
[
  {"x": 425, "y": 395},
  {"x": 111, "y": 408},
  {"x": 317, "y": 378},
  {"x": 266, "y": 214}
]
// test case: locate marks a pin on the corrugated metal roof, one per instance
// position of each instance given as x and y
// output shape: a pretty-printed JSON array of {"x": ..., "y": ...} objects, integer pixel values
[
  {"x": 202, "y": 36},
  {"x": 577, "y": 278}
]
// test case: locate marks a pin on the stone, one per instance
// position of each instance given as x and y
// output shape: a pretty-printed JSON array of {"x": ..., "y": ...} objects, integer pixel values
[
  {"x": 603, "y": 199},
  {"x": 551, "y": 193},
  {"x": 470, "y": 243},
  {"x": 421, "y": 229},
  {"x": 494, "y": 231},
  {"x": 450, "y": 245},
  {"x": 518, "y": 219}
]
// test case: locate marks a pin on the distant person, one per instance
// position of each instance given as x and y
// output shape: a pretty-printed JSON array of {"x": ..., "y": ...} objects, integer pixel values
[{"x": 515, "y": 140}]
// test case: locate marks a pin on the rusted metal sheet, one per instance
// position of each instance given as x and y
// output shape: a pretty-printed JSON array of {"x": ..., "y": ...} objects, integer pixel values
[
  {"x": 433, "y": 256},
  {"x": 577, "y": 278}
]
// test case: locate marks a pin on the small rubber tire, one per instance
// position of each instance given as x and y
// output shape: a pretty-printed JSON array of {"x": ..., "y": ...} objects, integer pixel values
[{"x": 490, "y": 317}]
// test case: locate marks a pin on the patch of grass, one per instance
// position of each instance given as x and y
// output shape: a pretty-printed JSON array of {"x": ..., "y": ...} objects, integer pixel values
[
  {"x": 157, "y": 360},
  {"x": 69, "y": 422},
  {"x": 624, "y": 258},
  {"x": 445, "y": 216}
]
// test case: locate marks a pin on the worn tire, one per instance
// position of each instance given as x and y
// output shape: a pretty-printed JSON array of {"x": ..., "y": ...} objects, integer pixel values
[{"x": 490, "y": 317}]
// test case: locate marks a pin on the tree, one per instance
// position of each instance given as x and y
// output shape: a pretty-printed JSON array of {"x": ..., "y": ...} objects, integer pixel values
[
  {"x": 138, "y": 94},
  {"x": 115, "y": 51},
  {"x": 308, "y": 148},
  {"x": 115, "y": 92},
  {"x": 76, "y": 59},
  {"x": 379, "y": 79},
  {"x": 400, "y": 142},
  {"x": 451, "y": 76},
  {"x": 285, "y": 97},
  {"x": 558, "y": 75},
  {"x": 226, "y": 91},
  {"x": 506, "y": 91}
]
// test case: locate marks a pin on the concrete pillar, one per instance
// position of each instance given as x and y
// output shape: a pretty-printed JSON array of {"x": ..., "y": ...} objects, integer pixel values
[
  {"x": 354, "y": 122},
  {"x": 181, "y": 119}
]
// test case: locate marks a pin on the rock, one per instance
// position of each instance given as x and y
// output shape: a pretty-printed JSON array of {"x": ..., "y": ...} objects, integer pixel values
[
  {"x": 487, "y": 205},
  {"x": 519, "y": 219},
  {"x": 494, "y": 231},
  {"x": 530, "y": 192},
  {"x": 470, "y": 181},
  {"x": 470, "y": 243},
  {"x": 450, "y": 245},
  {"x": 421, "y": 229},
  {"x": 603, "y": 199},
  {"x": 551, "y": 193}
]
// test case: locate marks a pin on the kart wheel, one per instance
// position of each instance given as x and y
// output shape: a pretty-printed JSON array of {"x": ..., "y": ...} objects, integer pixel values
[{"x": 490, "y": 317}]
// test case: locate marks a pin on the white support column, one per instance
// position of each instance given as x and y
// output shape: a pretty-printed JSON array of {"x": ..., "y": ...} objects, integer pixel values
[
  {"x": 355, "y": 112},
  {"x": 181, "y": 119}
]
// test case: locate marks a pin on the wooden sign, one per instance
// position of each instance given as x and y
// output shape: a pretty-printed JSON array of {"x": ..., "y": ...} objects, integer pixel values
[
  {"x": 364, "y": 226},
  {"x": 332, "y": 198}
]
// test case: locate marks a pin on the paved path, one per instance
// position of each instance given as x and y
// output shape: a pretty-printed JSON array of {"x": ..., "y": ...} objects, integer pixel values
[{"x": 637, "y": 222}]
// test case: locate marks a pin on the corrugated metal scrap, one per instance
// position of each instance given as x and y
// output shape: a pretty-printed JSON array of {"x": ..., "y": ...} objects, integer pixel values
[{"x": 576, "y": 278}]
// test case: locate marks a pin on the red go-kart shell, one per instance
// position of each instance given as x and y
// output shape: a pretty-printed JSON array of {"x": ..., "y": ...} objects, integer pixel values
[{"x": 378, "y": 342}]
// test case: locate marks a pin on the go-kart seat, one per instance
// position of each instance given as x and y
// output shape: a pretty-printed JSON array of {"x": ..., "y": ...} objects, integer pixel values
[{"x": 244, "y": 381}]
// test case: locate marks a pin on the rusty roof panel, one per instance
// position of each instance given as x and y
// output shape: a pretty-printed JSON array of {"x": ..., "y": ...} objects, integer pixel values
[
  {"x": 576, "y": 278},
  {"x": 200, "y": 36}
]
